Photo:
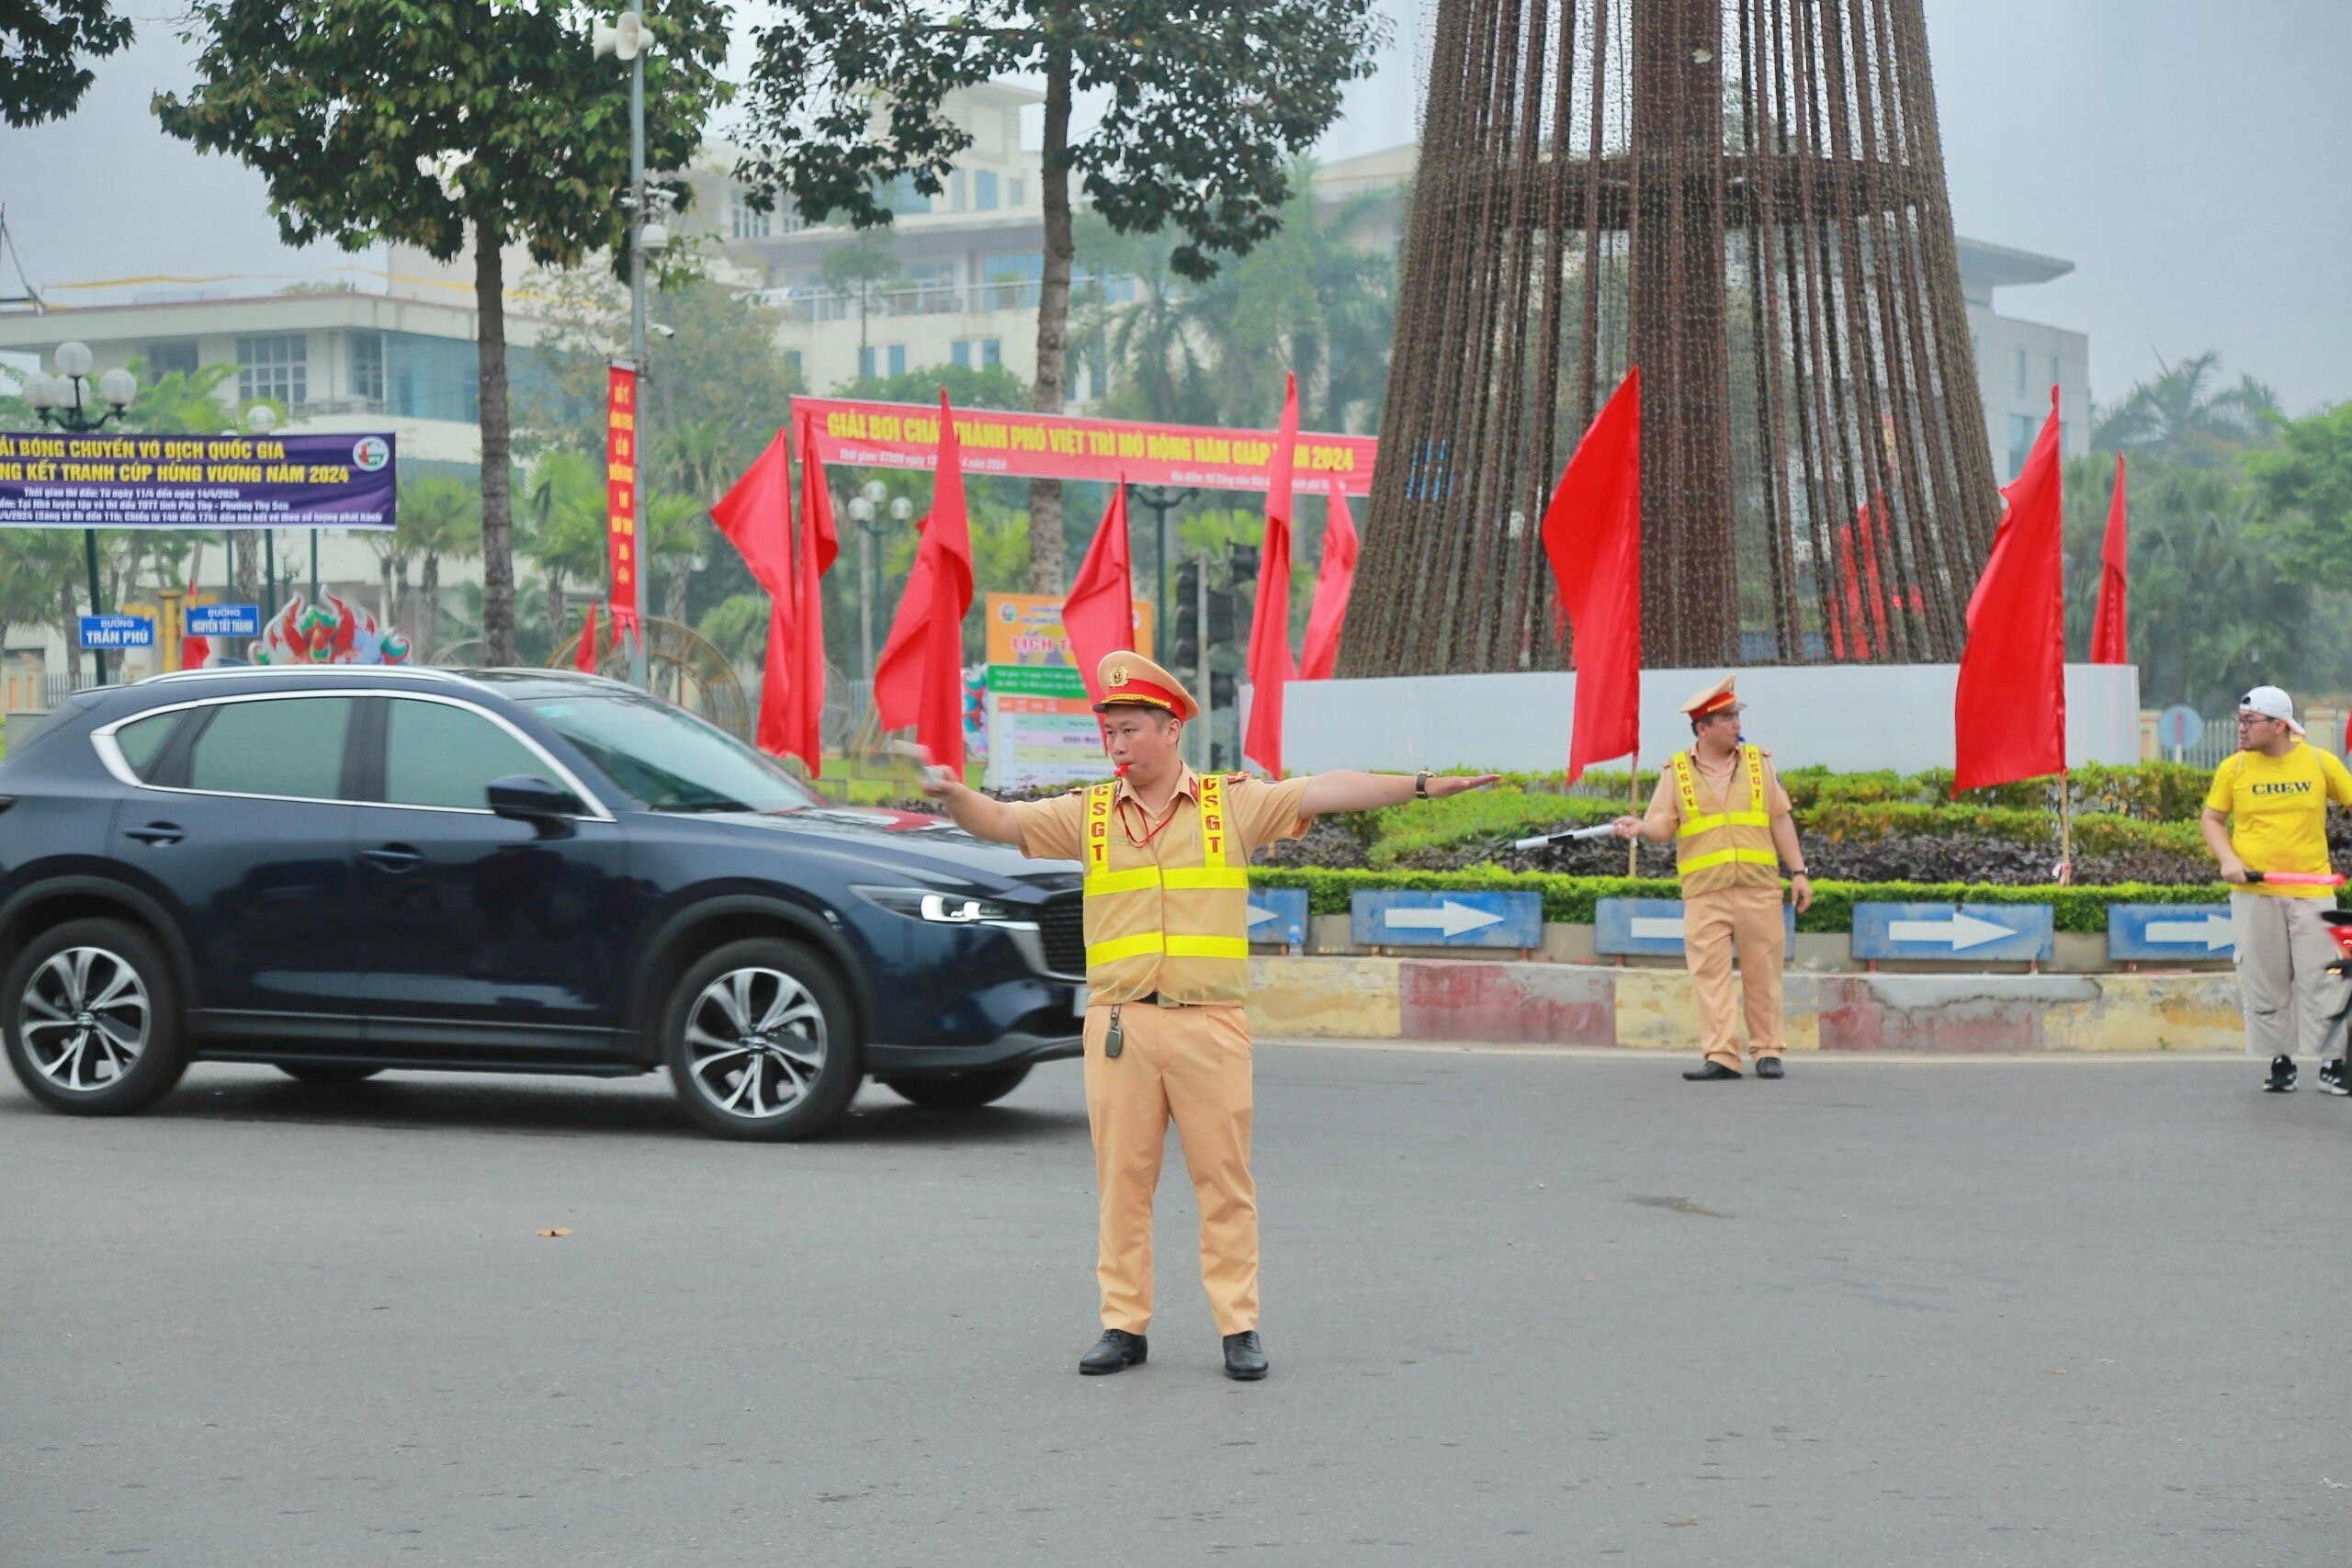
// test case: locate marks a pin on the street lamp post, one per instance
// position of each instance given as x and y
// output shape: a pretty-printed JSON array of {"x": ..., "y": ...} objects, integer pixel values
[
  {"x": 627, "y": 40},
  {"x": 64, "y": 400},
  {"x": 865, "y": 508}
]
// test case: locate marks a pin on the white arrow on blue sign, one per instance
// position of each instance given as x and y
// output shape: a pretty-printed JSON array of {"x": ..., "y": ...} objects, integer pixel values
[
  {"x": 1278, "y": 914},
  {"x": 1998, "y": 932},
  {"x": 1395, "y": 918},
  {"x": 1651, "y": 928},
  {"x": 2142, "y": 932}
]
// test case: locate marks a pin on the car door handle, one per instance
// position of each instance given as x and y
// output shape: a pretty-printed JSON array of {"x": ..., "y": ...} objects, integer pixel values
[
  {"x": 158, "y": 833},
  {"x": 393, "y": 857}
]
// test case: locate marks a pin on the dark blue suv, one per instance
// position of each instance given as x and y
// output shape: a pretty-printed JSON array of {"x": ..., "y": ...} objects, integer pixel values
[{"x": 341, "y": 870}]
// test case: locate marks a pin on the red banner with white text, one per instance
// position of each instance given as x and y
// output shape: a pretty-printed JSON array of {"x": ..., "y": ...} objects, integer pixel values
[
  {"x": 1057, "y": 446},
  {"x": 620, "y": 490}
]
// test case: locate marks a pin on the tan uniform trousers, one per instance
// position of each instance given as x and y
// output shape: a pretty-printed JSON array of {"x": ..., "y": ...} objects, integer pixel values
[
  {"x": 1713, "y": 924},
  {"x": 1190, "y": 1065}
]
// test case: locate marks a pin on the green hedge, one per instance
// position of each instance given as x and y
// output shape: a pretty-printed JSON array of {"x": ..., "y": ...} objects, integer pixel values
[{"x": 1570, "y": 899}]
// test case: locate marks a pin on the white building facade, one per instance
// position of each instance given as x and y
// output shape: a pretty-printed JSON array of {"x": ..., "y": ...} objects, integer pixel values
[{"x": 2019, "y": 361}]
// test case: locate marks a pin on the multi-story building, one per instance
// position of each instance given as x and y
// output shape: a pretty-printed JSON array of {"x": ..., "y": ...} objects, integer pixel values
[
  {"x": 2019, "y": 361},
  {"x": 389, "y": 348}
]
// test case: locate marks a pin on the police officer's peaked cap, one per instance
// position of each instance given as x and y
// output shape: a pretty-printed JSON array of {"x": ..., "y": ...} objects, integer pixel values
[
  {"x": 1714, "y": 699},
  {"x": 1129, "y": 680}
]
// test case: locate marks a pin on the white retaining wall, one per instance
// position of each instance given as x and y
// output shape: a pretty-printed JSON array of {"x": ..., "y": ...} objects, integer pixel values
[{"x": 1848, "y": 717}]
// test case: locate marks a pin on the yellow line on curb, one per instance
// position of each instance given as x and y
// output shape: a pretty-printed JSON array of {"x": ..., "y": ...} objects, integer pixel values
[{"x": 1802, "y": 1059}]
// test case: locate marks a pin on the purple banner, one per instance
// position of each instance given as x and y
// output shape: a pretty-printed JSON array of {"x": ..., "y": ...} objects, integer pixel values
[{"x": 49, "y": 480}]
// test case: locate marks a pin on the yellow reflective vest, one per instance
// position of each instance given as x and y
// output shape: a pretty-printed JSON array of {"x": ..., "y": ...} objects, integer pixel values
[
  {"x": 1727, "y": 847},
  {"x": 1182, "y": 931}
]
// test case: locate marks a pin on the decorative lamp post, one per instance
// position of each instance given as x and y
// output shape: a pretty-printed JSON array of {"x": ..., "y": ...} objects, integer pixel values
[
  {"x": 64, "y": 400},
  {"x": 627, "y": 38},
  {"x": 866, "y": 509}
]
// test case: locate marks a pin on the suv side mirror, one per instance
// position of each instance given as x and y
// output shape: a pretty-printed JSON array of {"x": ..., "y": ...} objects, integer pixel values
[{"x": 526, "y": 798}]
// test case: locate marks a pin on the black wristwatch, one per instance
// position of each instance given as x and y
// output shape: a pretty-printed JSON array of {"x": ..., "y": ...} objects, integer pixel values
[{"x": 1421, "y": 784}]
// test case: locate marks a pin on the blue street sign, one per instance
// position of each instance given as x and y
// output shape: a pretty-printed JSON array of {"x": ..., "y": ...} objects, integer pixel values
[
  {"x": 1962, "y": 933},
  {"x": 2169, "y": 931},
  {"x": 117, "y": 631},
  {"x": 1652, "y": 928},
  {"x": 224, "y": 620},
  {"x": 1396, "y": 919},
  {"x": 1278, "y": 914}
]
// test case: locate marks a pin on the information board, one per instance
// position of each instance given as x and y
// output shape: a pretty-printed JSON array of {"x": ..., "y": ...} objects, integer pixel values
[{"x": 49, "y": 480}]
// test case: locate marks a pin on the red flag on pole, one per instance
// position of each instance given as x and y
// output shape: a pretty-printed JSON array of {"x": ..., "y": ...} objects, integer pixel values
[
  {"x": 1269, "y": 660},
  {"x": 194, "y": 650},
  {"x": 1100, "y": 612},
  {"x": 819, "y": 544},
  {"x": 2009, "y": 718},
  {"x": 583, "y": 658},
  {"x": 1592, "y": 535},
  {"x": 756, "y": 517},
  {"x": 1333, "y": 581},
  {"x": 2110, "y": 640},
  {"x": 918, "y": 681}
]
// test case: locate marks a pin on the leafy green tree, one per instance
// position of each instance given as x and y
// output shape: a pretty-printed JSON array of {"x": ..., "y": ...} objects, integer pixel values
[
  {"x": 2183, "y": 417},
  {"x": 444, "y": 123},
  {"x": 42, "y": 47},
  {"x": 2305, "y": 486},
  {"x": 440, "y": 518},
  {"x": 860, "y": 265},
  {"x": 1204, "y": 103},
  {"x": 968, "y": 386},
  {"x": 567, "y": 528}
]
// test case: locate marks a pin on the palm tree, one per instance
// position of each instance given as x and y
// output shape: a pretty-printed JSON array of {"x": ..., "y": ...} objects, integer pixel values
[
  {"x": 564, "y": 507},
  {"x": 2182, "y": 417},
  {"x": 439, "y": 516}
]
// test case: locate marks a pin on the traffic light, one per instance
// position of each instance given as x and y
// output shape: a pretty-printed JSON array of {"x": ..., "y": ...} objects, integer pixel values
[
  {"x": 1245, "y": 563},
  {"x": 1221, "y": 692},
  {"x": 1221, "y": 617},
  {"x": 1185, "y": 628}
]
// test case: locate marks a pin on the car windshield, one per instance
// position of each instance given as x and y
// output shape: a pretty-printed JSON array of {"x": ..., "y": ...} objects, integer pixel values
[{"x": 669, "y": 758}]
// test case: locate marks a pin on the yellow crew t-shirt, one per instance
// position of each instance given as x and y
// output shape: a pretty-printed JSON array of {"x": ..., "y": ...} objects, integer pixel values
[{"x": 2277, "y": 810}]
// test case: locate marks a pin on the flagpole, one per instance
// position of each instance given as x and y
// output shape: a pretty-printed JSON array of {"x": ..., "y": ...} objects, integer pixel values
[{"x": 1633, "y": 806}]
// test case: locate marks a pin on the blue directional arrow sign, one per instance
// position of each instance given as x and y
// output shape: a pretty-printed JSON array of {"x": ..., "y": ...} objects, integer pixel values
[
  {"x": 1651, "y": 928},
  {"x": 224, "y": 620},
  {"x": 1392, "y": 918},
  {"x": 1965, "y": 933},
  {"x": 1278, "y": 914},
  {"x": 2169, "y": 931}
]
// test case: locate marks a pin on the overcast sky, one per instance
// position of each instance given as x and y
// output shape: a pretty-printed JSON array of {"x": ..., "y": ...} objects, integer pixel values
[{"x": 2178, "y": 152}]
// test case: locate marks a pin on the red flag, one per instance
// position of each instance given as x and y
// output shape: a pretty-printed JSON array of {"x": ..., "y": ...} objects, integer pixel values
[
  {"x": 620, "y": 493},
  {"x": 194, "y": 650},
  {"x": 2009, "y": 718},
  {"x": 1866, "y": 520},
  {"x": 1846, "y": 605},
  {"x": 1333, "y": 581},
  {"x": 2110, "y": 641},
  {"x": 918, "y": 681},
  {"x": 1270, "y": 661},
  {"x": 1100, "y": 614},
  {"x": 1592, "y": 535},
  {"x": 819, "y": 543},
  {"x": 585, "y": 658},
  {"x": 756, "y": 517}
]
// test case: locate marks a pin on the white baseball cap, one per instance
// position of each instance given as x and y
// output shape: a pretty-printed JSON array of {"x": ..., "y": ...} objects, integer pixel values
[{"x": 2270, "y": 703}]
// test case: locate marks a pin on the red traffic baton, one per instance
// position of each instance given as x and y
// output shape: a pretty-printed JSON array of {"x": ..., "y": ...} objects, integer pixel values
[{"x": 2297, "y": 878}]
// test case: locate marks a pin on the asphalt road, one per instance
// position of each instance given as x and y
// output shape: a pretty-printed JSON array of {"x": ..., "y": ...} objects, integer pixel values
[{"x": 1537, "y": 1309}]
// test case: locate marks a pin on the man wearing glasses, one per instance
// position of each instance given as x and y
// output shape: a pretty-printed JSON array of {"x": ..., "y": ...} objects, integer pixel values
[{"x": 2267, "y": 812}]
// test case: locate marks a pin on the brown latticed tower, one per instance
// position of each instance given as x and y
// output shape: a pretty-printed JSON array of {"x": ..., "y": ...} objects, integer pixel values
[{"x": 1747, "y": 198}]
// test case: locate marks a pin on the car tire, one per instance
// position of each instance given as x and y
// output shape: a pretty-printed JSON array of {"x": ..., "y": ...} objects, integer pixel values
[
  {"x": 760, "y": 1043},
  {"x": 91, "y": 1015},
  {"x": 327, "y": 1074},
  {"x": 959, "y": 1091}
]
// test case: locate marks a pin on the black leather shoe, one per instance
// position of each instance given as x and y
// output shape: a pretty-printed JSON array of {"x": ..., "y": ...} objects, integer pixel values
[
  {"x": 1767, "y": 1067},
  {"x": 1114, "y": 1352},
  {"x": 1245, "y": 1358},
  {"x": 1713, "y": 1072}
]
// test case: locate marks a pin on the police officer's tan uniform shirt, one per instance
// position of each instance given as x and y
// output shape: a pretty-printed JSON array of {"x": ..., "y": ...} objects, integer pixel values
[
  {"x": 1257, "y": 813},
  {"x": 1719, "y": 793}
]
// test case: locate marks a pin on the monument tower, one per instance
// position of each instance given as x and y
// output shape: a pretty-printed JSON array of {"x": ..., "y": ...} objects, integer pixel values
[{"x": 1747, "y": 198}]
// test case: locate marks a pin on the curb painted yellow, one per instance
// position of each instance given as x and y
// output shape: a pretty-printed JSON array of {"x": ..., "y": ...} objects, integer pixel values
[
  {"x": 2151, "y": 1012},
  {"x": 1325, "y": 998}
]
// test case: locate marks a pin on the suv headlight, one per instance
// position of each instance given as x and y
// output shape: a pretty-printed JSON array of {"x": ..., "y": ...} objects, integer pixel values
[{"x": 945, "y": 908}]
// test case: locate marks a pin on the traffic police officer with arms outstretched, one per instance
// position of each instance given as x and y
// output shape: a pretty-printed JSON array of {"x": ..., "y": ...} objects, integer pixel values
[{"x": 1166, "y": 853}]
